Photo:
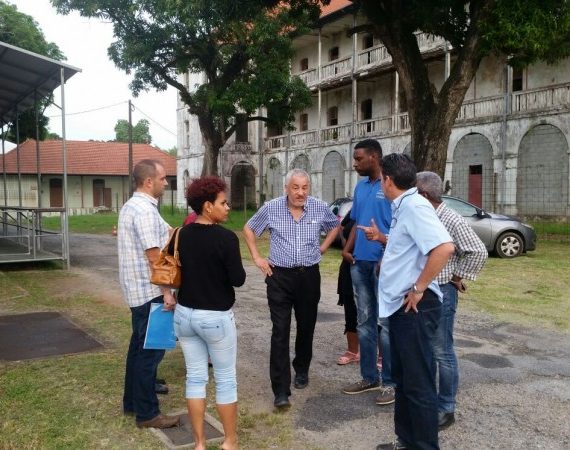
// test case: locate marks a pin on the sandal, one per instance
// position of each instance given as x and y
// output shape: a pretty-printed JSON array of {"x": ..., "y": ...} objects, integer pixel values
[{"x": 348, "y": 358}]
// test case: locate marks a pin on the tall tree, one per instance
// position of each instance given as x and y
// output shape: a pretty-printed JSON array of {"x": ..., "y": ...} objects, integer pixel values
[
  {"x": 242, "y": 48},
  {"x": 141, "y": 133},
  {"x": 23, "y": 31},
  {"x": 523, "y": 30}
]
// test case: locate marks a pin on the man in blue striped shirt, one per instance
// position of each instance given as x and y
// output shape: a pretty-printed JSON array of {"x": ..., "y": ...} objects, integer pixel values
[{"x": 295, "y": 222}]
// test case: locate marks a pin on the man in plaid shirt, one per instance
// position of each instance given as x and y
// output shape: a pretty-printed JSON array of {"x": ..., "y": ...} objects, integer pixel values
[
  {"x": 141, "y": 235},
  {"x": 468, "y": 260},
  {"x": 295, "y": 222}
]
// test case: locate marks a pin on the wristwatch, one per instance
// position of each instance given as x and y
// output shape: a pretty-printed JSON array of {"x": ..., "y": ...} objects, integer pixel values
[{"x": 415, "y": 289}]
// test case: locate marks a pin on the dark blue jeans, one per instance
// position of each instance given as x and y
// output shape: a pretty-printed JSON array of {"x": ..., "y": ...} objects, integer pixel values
[
  {"x": 140, "y": 372},
  {"x": 413, "y": 370},
  {"x": 444, "y": 352}
]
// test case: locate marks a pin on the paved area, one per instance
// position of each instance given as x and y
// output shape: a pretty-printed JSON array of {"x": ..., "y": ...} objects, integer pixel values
[{"x": 514, "y": 389}]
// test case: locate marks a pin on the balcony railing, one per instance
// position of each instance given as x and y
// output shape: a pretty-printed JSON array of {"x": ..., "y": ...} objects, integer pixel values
[
  {"x": 482, "y": 107},
  {"x": 336, "y": 69},
  {"x": 336, "y": 133},
  {"x": 304, "y": 138},
  {"x": 310, "y": 77},
  {"x": 428, "y": 42},
  {"x": 534, "y": 100},
  {"x": 542, "y": 98},
  {"x": 373, "y": 56}
]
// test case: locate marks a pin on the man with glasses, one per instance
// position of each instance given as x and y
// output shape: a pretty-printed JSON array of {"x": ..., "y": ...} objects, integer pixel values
[{"x": 418, "y": 249}]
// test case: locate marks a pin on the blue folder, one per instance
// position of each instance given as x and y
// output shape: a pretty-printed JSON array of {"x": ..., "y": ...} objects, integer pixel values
[{"x": 160, "y": 329}]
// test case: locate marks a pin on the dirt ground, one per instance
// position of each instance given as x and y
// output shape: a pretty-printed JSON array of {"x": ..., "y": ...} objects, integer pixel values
[{"x": 514, "y": 389}]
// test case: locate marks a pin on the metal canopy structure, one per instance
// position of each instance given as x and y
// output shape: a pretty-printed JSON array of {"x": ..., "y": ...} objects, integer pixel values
[{"x": 25, "y": 79}]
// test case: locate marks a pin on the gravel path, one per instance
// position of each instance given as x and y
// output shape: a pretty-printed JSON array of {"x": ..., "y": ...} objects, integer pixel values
[{"x": 514, "y": 389}]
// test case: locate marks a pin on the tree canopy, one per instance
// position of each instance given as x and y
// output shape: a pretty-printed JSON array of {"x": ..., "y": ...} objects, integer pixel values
[
  {"x": 23, "y": 31},
  {"x": 523, "y": 31},
  {"x": 141, "y": 133},
  {"x": 241, "y": 48}
]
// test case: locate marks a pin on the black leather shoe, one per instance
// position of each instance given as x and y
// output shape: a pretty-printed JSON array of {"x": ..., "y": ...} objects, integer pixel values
[
  {"x": 301, "y": 380},
  {"x": 445, "y": 420},
  {"x": 281, "y": 401},
  {"x": 160, "y": 388}
]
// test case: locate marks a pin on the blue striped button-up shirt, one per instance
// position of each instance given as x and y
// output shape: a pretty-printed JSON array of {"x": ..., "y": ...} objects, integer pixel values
[{"x": 292, "y": 243}]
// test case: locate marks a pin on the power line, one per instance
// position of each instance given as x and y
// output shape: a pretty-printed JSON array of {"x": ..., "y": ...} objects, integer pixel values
[
  {"x": 156, "y": 122},
  {"x": 89, "y": 110}
]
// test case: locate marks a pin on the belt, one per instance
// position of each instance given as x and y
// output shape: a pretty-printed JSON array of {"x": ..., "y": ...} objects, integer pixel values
[{"x": 297, "y": 268}]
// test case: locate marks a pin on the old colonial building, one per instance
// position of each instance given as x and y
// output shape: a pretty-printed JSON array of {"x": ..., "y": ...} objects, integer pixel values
[{"x": 508, "y": 151}]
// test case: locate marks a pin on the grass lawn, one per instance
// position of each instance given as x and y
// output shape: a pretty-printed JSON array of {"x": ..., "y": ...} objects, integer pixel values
[{"x": 74, "y": 401}]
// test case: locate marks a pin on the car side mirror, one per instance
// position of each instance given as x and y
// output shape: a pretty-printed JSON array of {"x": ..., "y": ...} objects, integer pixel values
[
  {"x": 482, "y": 214},
  {"x": 335, "y": 210}
]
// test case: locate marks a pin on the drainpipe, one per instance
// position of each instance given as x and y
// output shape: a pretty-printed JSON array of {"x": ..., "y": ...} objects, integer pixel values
[
  {"x": 508, "y": 75},
  {"x": 354, "y": 105}
]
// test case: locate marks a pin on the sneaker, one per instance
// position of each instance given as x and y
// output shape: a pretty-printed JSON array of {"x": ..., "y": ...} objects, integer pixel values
[
  {"x": 361, "y": 386},
  {"x": 387, "y": 396}
]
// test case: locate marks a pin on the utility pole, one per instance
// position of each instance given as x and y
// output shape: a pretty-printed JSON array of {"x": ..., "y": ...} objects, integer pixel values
[{"x": 130, "y": 149}]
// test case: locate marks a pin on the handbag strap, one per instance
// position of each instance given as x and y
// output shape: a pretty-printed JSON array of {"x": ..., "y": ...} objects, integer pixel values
[
  {"x": 177, "y": 232},
  {"x": 174, "y": 236}
]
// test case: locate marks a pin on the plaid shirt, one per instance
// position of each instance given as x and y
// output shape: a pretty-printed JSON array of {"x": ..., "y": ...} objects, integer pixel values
[
  {"x": 293, "y": 244},
  {"x": 140, "y": 228},
  {"x": 470, "y": 252}
]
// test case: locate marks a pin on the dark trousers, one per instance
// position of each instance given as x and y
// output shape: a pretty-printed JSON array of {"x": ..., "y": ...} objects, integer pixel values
[
  {"x": 287, "y": 289},
  {"x": 140, "y": 372},
  {"x": 413, "y": 370}
]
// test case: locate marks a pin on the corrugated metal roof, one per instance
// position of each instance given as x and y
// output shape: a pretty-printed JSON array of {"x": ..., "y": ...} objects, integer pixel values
[{"x": 25, "y": 76}]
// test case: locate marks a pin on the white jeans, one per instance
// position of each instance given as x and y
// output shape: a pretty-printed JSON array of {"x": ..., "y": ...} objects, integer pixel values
[{"x": 204, "y": 333}]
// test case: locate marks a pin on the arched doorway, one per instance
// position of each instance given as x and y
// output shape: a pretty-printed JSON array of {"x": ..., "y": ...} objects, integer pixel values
[
  {"x": 274, "y": 179},
  {"x": 243, "y": 186},
  {"x": 542, "y": 175},
  {"x": 472, "y": 174},
  {"x": 301, "y": 162},
  {"x": 333, "y": 177},
  {"x": 408, "y": 150}
]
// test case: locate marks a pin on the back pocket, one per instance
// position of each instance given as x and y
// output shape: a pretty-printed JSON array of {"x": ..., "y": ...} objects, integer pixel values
[{"x": 213, "y": 331}]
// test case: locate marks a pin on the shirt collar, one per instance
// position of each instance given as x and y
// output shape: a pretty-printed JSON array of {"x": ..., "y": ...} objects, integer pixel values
[
  {"x": 304, "y": 206},
  {"x": 144, "y": 195},
  {"x": 397, "y": 202}
]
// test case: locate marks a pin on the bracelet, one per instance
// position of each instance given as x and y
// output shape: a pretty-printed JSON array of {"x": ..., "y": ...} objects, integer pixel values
[{"x": 415, "y": 289}]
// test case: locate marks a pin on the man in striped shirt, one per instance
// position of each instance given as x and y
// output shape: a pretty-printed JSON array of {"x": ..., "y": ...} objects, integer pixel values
[
  {"x": 141, "y": 235},
  {"x": 468, "y": 260},
  {"x": 295, "y": 222}
]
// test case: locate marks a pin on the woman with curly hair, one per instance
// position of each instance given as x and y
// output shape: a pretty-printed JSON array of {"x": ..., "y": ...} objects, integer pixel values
[{"x": 203, "y": 319}]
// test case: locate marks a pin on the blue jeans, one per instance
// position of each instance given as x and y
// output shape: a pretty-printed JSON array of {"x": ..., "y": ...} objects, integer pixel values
[
  {"x": 140, "y": 372},
  {"x": 201, "y": 333},
  {"x": 365, "y": 286},
  {"x": 413, "y": 370},
  {"x": 444, "y": 352}
]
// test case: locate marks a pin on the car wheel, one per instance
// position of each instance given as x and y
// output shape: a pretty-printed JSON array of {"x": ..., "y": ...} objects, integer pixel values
[{"x": 509, "y": 245}]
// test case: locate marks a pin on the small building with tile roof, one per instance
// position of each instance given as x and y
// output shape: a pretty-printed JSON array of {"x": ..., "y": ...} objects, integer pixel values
[{"x": 97, "y": 174}]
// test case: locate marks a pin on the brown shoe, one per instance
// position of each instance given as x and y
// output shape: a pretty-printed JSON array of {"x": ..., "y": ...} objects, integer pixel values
[{"x": 160, "y": 421}]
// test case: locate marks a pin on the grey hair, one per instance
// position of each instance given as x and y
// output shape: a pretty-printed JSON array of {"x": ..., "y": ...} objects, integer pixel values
[
  {"x": 296, "y": 173},
  {"x": 431, "y": 184}
]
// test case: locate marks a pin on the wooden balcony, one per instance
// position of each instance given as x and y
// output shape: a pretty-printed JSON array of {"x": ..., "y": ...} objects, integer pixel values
[{"x": 493, "y": 108}]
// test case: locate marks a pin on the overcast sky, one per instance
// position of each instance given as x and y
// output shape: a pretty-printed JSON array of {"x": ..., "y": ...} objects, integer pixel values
[{"x": 100, "y": 84}]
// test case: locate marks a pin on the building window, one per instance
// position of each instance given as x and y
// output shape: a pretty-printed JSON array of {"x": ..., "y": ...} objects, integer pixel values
[
  {"x": 303, "y": 122},
  {"x": 366, "y": 113},
  {"x": 304, "y": 64},
  {"x": 332, "y": 116},
  {"x": 333, "y": 53},
  {"x": 367, "y": 41},
  {"x": 517, "y": 79},
  {"x": 187, "y": 133},
  {"x": 402, "y": 102}
]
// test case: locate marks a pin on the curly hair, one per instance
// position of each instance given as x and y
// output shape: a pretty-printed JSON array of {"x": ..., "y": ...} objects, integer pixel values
[{"x": 202, "y": 190}]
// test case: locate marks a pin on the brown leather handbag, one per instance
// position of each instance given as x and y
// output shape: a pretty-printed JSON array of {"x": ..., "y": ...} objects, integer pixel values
[{"x": 167, "y": 271}]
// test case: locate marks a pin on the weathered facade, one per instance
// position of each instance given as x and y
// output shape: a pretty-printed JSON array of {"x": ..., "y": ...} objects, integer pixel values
[{"x": 508, "y": 150}]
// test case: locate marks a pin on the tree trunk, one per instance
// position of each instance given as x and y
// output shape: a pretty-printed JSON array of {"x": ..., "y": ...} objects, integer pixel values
[{"x": 212, "y": 140}]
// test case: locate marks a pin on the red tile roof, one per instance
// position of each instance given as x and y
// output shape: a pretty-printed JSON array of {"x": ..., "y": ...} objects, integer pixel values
[
  {"x": 334, "y": 6},
  {"x": 84, "y": 158}
]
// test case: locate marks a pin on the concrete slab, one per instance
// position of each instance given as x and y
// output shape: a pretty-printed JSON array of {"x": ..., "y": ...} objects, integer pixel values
[
  {"x": 41, "y": 334},
  {"x": 181, "y": 436}
]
